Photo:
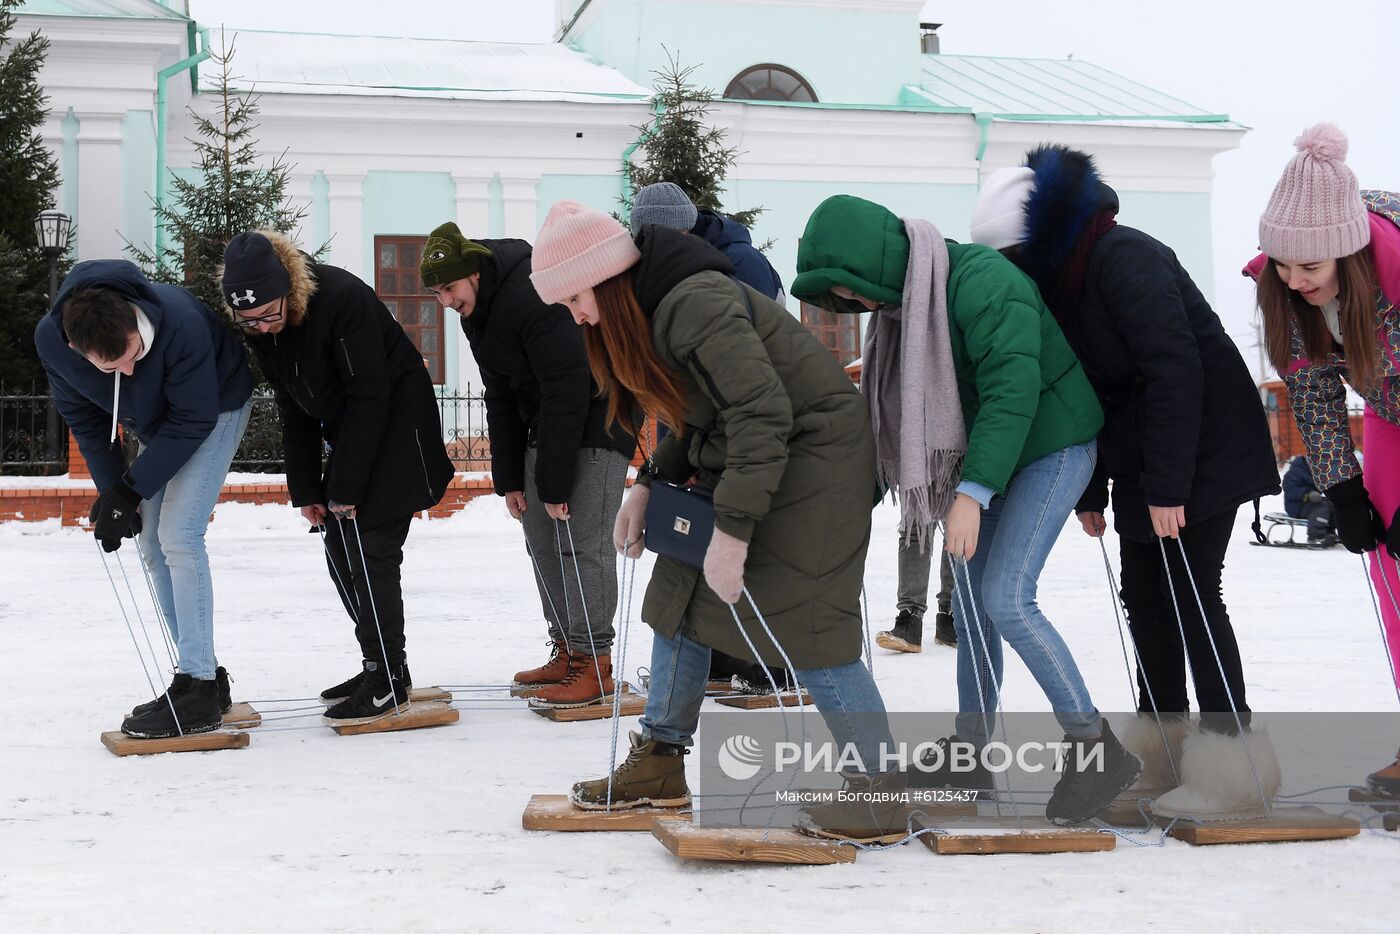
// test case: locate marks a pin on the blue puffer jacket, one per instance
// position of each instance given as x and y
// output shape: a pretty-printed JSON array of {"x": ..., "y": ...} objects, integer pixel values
[
  {"x": 193, "y": 370},
  {"x": 732, "y": 239}
]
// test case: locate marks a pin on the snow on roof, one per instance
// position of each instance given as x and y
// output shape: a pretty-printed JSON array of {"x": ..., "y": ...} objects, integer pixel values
[
  {"x": 305, "y": 63},
  {"x": 100, "y": 9},
  {"x": 1043, "y": 87}
]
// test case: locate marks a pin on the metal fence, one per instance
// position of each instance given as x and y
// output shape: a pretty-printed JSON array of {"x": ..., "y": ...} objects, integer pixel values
[{"x": 34, "y": 440}]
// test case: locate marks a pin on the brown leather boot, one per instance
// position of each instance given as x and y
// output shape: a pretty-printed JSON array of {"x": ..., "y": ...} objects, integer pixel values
[
  {"x": 589, "y": 681},
  {"x": 1386, "y": 781},
  {"x": 551, "y": 672},
  {"x": 652, "y": 775}
]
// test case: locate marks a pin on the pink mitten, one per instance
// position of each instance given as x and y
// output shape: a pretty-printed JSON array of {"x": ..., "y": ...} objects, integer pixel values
[
  {"x": 631, "y": 522},
  {"x": 724, "y": 566}
]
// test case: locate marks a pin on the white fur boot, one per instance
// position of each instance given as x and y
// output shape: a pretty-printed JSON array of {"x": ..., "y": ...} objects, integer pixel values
[
  {"x": 1217, "y": 780},
  {"x": 1161, "y": 762}
]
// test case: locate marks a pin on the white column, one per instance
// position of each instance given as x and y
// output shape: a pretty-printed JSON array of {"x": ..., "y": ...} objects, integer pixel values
[
  {"x": 521, "y": 196},
  {"x": 53, "y": 142},
  {"x": 299, "y": 197},
  {"x": 473, "y": 205},
  {"x": 347, "y": 210},
  {"x": 99, "y": 186}
]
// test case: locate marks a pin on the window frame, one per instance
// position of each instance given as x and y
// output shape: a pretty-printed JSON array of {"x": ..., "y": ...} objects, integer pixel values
[
  {"x": 802, "y": 84},
  {"x": 436, "y": 360}
]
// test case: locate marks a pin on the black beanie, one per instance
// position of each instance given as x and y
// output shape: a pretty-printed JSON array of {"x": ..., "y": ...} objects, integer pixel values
[{"x": 253, "y": 275}]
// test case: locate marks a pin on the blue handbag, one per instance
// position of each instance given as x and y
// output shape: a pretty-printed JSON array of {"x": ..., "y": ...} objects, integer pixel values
[{"x": 680, "y": 522}]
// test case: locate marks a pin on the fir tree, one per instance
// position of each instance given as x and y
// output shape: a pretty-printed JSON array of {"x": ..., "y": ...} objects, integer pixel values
[
  {"x": 677, "y": 145},
  {"x": 232, "y": 191},
  {"x": 28, "y": 179}
]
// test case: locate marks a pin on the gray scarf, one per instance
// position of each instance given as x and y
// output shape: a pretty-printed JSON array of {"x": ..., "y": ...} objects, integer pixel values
[{"x": 912, "y": 389}]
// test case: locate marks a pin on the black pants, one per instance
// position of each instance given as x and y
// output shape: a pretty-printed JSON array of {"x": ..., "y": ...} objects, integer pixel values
[
  {"x": 1153, "y": 621},
  {"x": 383, "y": 557}
]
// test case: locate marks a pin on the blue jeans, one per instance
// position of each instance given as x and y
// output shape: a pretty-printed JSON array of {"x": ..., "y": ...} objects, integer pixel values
[
  {"x": 173, "y": 523},
  {"x": 844, "y": 695},
  {"x": 1018, "y": 530}
]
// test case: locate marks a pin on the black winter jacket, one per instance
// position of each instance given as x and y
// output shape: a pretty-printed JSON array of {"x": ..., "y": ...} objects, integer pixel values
[
  {"x": 343, "y": 370},
  {"x": 1183, "y": 420},
  {"x": 534, "y": 367}
]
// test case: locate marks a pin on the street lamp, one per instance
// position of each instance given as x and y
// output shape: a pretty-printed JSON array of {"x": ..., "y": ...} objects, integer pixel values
[{"x": 52, "y": 229}]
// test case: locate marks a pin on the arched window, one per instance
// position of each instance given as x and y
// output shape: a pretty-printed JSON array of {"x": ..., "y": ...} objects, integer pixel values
[{"x": 770, "y": 83}]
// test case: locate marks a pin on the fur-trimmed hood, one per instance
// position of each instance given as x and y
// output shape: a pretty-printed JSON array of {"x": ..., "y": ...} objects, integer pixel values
[
  {"x": 298, "y": 265},
  {"x": 1066, "y": 196}
]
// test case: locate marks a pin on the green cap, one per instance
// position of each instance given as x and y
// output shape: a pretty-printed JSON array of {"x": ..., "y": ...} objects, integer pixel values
[
  {"x": 855, "y": 243},
  {"x": 449, "y": 256}
]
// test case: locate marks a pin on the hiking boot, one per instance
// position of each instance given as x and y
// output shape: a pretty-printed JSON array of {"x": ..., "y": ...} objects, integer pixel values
[
  {"x": 349, "y": 685},
  {"x": 379, "y": 692},
  {"x": 954, "y": 763},
  {"x": 1096, "y": 771},
  {"x": 906, "y": 636},
  {"x": 943, "y": 631},
  {"x": 588, "y": 681},
  {"x": 221, "y": 680},
  {"x": 652, "y": 775},
  {"x": 551, "y": 672},
  {"x": 196, "y": 706},
  {"x": 869, "y": 810},
  {"x": 1387, "y": 780}
]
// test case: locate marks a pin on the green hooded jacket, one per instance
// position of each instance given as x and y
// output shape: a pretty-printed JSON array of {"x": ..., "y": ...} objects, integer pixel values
[{"x": 1023, "y": 392}]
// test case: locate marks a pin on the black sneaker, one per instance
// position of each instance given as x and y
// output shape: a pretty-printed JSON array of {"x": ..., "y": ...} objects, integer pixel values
[
  {"x": 221, "y": 679},
  {"x": 944, "y": 632},
  {"x": 906, "y": 636},
  {"x": 947, "y": 766},
  {"x": 754, "y": 679},
  {"x": 196, "y": 704},
  {"x": 377, "y": 693},
  {"x": 347, "y": 687},
  {"x": 1090, "y": 782}
]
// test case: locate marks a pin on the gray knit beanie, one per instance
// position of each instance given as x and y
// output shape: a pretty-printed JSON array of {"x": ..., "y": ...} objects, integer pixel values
[{"x": 663, "y": 203}]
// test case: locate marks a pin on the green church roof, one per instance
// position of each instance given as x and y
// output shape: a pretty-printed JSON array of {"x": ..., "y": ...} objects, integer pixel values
[{"x": 100, "y": 9}]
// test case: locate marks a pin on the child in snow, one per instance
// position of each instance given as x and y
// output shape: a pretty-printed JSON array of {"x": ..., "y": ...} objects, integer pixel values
[{"x": 1328, "y": 284}]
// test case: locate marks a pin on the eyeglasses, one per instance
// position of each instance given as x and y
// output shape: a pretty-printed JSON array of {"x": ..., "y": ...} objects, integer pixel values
[{"x": 250, "y": 323}]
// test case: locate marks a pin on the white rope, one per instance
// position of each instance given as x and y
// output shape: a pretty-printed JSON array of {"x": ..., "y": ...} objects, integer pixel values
[
  {"x": 134, "y": 643},
  {"x": 364, "y": 570},
  {"x": 1375, "y": 605}
]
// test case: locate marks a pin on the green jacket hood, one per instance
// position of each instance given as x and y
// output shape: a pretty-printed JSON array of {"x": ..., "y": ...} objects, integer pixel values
[{"x": 855, "y": 243}]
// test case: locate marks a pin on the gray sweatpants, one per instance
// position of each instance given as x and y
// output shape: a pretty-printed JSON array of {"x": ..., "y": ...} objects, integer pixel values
[
  {"x": 913, "y": 577},
  {"x": 574, "y": 614}
]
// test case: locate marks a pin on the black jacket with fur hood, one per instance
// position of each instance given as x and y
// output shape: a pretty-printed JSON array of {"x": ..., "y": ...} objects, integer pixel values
[
  {"x": 539, "y": 392},
  {"x": 344, "y": 371},
  {"x": 1183, "y": 421}
]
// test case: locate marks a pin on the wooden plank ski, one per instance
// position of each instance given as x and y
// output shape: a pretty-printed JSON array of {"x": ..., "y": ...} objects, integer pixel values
[
  {"x": 530, "y": 691},
  {"x": 721, "y": 688},
  {"x": 1012, "y": 841},
  {"x": 1285, "y": 825},
  {"x": 747, "y": 845},
  {"x": 418, "y": 714},
  {"x": 633, "y": 705},
  {"x": 122, "y": 745},
  {"x": 1007, "y": 835},
  {"x": 1371, "y": 799},
  {"x": 242, "y": 717},
  {"x": 761, "y": 701},
  {"x": 556, "y": 812}
]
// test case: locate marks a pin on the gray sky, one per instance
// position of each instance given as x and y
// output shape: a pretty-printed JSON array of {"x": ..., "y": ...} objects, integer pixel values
[{"x": 1275, "y": 66}]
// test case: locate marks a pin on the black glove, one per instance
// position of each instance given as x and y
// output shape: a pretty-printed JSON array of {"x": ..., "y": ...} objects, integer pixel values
[
  {"x": 115, "y": 515},
  {"x": 1392, "y": 536},
  {"x": 1313, "y": 496},
  {"x": 1358, "y": 524}
]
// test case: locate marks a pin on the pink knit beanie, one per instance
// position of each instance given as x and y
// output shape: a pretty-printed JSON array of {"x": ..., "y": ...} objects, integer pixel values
[
  {"x": 578, "y": 248},
  {"x": 1316, "y": 211}
]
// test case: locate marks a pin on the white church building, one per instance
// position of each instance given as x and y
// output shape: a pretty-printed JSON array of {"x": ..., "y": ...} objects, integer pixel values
[{"x": 391, "y": 136}]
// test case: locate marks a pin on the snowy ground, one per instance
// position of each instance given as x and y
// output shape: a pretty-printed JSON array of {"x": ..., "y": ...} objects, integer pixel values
[{"x": 306, "y": 831}]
